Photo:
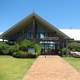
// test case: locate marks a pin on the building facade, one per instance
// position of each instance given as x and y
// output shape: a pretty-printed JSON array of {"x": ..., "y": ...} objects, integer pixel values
[{"x": 39, "y": 30}]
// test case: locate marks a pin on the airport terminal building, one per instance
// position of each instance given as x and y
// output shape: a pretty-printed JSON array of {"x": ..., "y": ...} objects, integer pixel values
[{"x": 35, "y": 28}]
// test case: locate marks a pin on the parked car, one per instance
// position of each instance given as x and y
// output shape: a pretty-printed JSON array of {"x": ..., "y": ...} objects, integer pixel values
[{"x": 75, "y": 53}]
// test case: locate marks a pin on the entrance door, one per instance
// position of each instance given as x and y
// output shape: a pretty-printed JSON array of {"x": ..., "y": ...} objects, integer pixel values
[{"x": 48, "y": 47}]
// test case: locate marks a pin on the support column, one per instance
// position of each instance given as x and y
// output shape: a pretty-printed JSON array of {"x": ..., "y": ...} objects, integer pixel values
[
  {"x": 34, "y": 31},
  {"x": 67, "y": 53}
]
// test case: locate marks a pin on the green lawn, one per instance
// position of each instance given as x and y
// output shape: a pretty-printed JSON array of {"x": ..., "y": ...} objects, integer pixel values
[
  {"x": 75, "y": 62},
  {"x": 13, "y": 68}
]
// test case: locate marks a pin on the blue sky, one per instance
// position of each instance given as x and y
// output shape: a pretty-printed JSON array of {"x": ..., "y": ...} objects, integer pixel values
[{"x": 61, "y": 13}]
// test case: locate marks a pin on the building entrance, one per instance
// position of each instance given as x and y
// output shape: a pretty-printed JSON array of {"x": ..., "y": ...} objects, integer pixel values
[{"x": 48, "y": 47}]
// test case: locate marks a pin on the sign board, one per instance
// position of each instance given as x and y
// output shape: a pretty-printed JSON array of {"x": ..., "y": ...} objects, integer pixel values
[{"x": 31, "y": 50}]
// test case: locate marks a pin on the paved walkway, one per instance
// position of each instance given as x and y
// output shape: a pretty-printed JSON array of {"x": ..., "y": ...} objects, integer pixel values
[{"x": 51, "y": 68}]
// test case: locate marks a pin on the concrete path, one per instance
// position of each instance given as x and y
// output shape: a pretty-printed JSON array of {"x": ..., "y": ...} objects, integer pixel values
[{"x": 51, "y": 68}]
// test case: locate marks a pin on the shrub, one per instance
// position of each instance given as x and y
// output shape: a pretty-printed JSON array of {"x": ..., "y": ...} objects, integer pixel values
[
  {"x": 20, "y": 49},
  {"x": 77, "y": 49},
  {"x": 65, "y": 51},
  {"x": 25, "y": 44},
  {"x": 23, "y": 54},
  {"x": 4, "y": 48},
  {"x": 74, "y": 46},
  {"x": 37, "y": 48},
  {"x": 13, "y": 48}
]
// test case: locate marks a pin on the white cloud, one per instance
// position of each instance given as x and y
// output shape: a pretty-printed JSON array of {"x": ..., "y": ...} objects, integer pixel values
[{"x": 73, "y": 33}]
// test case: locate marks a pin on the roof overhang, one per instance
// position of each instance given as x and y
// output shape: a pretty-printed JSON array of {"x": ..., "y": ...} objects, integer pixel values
[{"x": 20, "y": 25}]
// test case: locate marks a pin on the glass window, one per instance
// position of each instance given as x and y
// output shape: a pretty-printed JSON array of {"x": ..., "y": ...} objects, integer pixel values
[
  {"x": 29, "y": 35},
  {"x": 41, "y": 35}
]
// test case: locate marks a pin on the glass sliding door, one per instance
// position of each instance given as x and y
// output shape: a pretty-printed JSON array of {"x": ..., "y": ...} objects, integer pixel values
[{"x": 47, "y": 47}]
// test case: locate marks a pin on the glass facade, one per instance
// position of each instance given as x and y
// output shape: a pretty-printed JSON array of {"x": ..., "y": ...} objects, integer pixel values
[{"x": 48, "y": 46}]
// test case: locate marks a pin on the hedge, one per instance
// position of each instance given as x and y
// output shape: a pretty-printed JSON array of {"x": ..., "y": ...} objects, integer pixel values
[{"x": 20, "y": 49}]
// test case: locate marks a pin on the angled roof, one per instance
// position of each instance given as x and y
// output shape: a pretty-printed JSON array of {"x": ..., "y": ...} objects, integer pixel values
[{"x": 26, "y": 21}]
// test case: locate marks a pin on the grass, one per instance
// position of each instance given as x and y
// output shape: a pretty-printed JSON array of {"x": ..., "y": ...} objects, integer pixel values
[
  {"x": 13, "y": 68},
  {"x": 75, "y": 62}
]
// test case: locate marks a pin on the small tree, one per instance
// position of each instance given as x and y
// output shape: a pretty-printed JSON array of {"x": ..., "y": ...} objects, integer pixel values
[
  {"x": 13, "y": 48},
  {"x": 4, "y": 48},
  {"x": 74, "y": 46},
  {"x": 23, "y": 45},
  {"x": 37, "y": 47},
  {"x": 65, "y": 51}
]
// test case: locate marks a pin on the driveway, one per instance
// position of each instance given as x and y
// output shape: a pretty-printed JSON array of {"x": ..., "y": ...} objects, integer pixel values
[{"x": 51, "y": 68}]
